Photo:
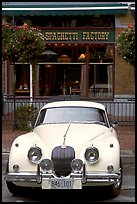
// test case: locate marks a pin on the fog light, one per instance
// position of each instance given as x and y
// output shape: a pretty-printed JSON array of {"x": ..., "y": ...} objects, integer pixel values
[
  {"x": 110, "y": 168},
  {"x": 76, "y": 165},
  {"x": 46, "y": 165},
  {"x": 16, "y": 167}
]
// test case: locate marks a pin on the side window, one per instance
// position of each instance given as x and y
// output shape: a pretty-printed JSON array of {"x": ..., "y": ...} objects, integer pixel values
[{"x": 41, "y": 117}]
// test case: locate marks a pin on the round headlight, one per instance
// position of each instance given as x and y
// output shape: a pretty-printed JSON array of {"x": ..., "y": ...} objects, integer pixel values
[
  {"x": 92, "y": 154},
  {"x": 76, "y": 165},
  {"x": 34, "y": 154},
  {"x": 46, "y": 165}
]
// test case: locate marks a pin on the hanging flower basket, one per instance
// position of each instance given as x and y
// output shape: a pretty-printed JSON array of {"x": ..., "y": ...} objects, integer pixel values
[
  {"x": 7, "y": 32},
  {"x": 125, "y": 45},
  {"x": 26, "y": 43}
]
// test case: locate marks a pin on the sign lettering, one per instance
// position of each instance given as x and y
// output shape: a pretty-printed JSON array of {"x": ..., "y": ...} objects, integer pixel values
[
  {"x": 61, "y": 36},
  {"x": 95, "y": 36},
  {"x": 79, "y": 36}
]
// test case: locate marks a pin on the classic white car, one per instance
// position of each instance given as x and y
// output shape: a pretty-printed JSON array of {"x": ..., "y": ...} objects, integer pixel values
[{"x": 72, "y": 145}]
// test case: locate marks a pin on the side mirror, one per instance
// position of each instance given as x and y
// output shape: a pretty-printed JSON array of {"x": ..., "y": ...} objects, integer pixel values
[{"x": 114, "y": 124}]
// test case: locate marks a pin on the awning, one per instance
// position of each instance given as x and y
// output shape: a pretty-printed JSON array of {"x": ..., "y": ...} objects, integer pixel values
[
  {"x": 132, "y": 7},
  {"x": 55, "y": 9}
]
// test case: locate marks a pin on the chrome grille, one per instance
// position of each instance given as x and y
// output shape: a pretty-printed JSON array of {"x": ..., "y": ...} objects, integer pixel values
[{"x": 62, "y": 158}]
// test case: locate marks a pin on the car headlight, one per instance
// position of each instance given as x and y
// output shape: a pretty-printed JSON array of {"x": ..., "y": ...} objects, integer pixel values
[
  {"x": 92, "y": 154},
  {"x": 46, "y": 165},
  {"x": 76, "y": 165},
  {"x": 34, "y": 154}
]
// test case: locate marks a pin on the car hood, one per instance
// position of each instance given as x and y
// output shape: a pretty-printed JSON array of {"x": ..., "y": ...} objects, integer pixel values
[{"x": 74, "y": 135}]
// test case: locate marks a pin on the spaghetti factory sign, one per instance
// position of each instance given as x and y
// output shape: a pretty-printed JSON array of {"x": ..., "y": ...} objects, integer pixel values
[{"x": 79, "y": 36}]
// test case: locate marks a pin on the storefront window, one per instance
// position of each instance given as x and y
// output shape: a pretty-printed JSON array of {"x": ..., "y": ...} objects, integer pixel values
[
  {"x": 59, "y": 79},
  {"x": 61, "y": 73},
  {"x": 22, "y": 76},
  {"x": 100, "y": 80}
]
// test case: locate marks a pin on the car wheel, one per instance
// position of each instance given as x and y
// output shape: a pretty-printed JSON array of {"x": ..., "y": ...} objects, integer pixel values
[{"x": 115, "y": 189}]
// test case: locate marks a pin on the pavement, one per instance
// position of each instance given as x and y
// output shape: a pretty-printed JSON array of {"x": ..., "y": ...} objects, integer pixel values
[{"x": 126, "y": 137}]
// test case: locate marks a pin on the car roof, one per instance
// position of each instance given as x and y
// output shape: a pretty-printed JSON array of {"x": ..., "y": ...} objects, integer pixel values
[{"x": 73, "y": 103}]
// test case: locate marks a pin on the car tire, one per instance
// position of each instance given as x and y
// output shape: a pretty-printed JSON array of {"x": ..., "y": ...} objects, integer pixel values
[
  {"x": 14, "y": 189},
  {"x": 115, "y": 189}
]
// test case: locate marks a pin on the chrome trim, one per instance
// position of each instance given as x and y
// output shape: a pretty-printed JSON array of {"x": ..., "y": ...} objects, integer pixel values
[
  {"x": 103, "y": 175},
  {"x": 108, "y": 178},
  {"x": 96, "y": 153},
  {"x": 38, "y": 177},
  {"x": 84, "y": 174},
  {"x": 39, "y": 155}
]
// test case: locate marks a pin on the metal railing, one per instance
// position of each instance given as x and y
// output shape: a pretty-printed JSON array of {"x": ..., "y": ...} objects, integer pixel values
[{"x": 121, "y": 110}]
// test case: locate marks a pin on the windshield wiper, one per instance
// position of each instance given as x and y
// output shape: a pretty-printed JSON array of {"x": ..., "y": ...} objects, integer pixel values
[
  {"x": 94, "y": 122},
  {"x": 48, "y": 123}
]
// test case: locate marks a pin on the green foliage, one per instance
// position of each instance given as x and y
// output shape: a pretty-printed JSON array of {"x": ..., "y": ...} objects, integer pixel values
[
  {"x": 23, "y": 115},
  {"x": 7, "y": 32},
  {"x": 97, "y": 55},
  {"x": 125, "y": 45}
]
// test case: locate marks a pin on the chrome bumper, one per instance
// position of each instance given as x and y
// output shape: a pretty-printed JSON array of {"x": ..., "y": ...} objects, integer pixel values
[
  {"x": 95, "y": 178},
  {"x": 108, "y": 178}
]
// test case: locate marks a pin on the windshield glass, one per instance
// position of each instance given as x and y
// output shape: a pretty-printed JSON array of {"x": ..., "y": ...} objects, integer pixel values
[{"x": 72, "y": 114}]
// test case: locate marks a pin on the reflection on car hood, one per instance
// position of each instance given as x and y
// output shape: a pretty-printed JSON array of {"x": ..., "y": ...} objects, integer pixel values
[{"x": 75, "y": 135}]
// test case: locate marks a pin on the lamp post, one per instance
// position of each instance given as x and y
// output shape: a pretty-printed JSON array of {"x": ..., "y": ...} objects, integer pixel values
[{"x": 31, "y": 87}]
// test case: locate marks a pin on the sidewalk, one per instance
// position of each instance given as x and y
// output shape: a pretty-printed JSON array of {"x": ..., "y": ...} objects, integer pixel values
[{"x": 126, "y": 136}]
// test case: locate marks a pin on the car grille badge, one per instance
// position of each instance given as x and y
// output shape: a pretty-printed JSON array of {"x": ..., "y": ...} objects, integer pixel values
[{"x": 63, "y": 146}]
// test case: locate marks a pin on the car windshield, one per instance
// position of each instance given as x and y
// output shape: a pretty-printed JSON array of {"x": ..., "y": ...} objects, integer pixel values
[{"x": 72, "y": 115}]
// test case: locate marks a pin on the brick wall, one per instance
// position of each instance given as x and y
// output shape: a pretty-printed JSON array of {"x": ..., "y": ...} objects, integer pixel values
[{"x": 124, "y": 76}]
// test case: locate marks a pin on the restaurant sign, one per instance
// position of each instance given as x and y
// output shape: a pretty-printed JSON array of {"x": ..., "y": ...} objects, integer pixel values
[{"x": 82, "y": 36}]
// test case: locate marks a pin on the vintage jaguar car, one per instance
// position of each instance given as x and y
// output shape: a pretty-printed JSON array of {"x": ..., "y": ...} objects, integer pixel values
[{"x": 72, "y": 145}]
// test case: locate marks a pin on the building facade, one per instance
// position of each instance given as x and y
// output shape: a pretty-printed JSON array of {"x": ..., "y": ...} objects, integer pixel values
[{"x": 80, "y": 56}]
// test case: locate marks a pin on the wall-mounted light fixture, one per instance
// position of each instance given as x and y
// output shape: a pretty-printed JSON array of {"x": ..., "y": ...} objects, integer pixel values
[{"x": 82, "y": 57}]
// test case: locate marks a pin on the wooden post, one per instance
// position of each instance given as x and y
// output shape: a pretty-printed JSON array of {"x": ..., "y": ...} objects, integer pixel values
[{"x": 87, "y": 71}]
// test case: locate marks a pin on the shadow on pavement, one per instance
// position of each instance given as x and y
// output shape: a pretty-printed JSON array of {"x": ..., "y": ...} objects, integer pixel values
[{"x": 85, "y": 195}]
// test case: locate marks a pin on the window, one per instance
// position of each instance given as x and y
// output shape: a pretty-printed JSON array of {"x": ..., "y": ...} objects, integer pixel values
[
  {"x": 100, "y": 80},
  {"x": 71, "y": 114},
  {"x": 22, "y": 76}
]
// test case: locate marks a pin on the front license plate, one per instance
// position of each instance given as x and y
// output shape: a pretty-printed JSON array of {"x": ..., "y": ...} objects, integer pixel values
[{"x": 61, "y": 183}]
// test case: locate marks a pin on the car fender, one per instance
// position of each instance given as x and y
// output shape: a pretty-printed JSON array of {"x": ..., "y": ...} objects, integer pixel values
[
  {"x": 19, "y": 151},
  {"x": 109, "y": 153}
]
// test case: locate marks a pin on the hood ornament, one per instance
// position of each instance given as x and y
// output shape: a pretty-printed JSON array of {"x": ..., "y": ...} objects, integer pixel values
[{"x": 64, "y": 138}]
